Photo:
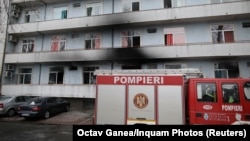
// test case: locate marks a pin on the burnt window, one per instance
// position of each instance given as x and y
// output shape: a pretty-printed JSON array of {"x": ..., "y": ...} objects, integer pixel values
[
  {"x": 88, "y": 75},
  {"x": 56, "y": 75}
]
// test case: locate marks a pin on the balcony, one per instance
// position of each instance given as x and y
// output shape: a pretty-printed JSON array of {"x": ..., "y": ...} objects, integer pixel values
[
  {"x": 227, "y": 11},
  {"x": 72, "y": 91},
  {"x": 237, "y": 49}
]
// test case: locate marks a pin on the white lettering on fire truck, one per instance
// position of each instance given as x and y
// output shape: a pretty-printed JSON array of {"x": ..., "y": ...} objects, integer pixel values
[
  {"x": 139, "y": 79},
  {"x": 232, "y": 108}
]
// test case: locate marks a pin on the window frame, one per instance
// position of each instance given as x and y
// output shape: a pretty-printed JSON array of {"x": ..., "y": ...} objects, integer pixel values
[
  {"x": 88, "y": 71},
  {"x": 58, "y": 43},
  {"x": 29, "y": 46},
  {"x": 128, "y": 5},
  {"x": 219, "y": 35},
  {"x": 58, "y": 71},
  {"x": 24, "y": 77},
  {"x": 92, "y": 40},
  {"x": 93, "y": 6},
  {"x": 59, "y": 11},
  {"x": 129, "y": 38},
  {"x": 174, "y": 32},
  {"x": 203, "y": 91}
]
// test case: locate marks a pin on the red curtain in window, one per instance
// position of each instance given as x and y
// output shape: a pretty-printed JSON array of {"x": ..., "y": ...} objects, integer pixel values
[
  {"x": 124, "y": 40},
  {"x": 169, "y": 39},
  {"x": 55, "y": 43},
  {"x": 229, "y": 36},
  {"x": 97, "y": 41}
]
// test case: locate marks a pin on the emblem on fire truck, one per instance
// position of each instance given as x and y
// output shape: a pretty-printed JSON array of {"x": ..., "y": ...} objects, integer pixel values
[{"x": 140, "y": 100}]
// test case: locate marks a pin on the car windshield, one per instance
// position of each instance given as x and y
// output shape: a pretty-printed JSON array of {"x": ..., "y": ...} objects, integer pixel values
[{"x": 35, "y": 101}]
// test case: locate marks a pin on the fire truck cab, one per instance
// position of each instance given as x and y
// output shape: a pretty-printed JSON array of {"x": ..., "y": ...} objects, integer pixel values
[{"x": 218, "y": 100}]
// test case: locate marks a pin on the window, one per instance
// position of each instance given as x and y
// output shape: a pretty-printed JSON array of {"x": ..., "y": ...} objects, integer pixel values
[
  {"x": 94, "y": 9},
  {"x": 24, "y": 76},
  {"x": 206, "y": 92},
  {"x": 172, "y": 66},
  {"x": 174, "y": 36},
  {"x": 223, "y": 33},
  {"x": 178, "y": 3},
  {"x": 152, "y": 66},
  {"x": 60, "y": 12},
  {"x": 167, "y": 3},
  {"x": 30, "y": 16},
  {"x": 92, "y": 40},
  {"x": 247, "y": 90},
  {"x": 226, "y": 70},
  {"x": 131, "y": 66},
  {"x": 88, "y": 75},
  {"x": 130, "y": 39},
  {"x": 130, "y": 5},
  {"x": 58, "y": 43},
  {"x": 230, "y": 93},
  {"x": 28, "y": 46},
  {"x": 56, "y": 75}
]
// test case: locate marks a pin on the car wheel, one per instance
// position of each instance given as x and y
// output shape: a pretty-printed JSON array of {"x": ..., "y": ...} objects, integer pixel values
[
  {"x": 11, "y": 113},
  {"x": 46, "y": 114}
]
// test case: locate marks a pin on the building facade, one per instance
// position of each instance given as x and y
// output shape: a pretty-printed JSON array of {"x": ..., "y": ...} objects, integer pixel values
[{"x": 54, "y": 46}]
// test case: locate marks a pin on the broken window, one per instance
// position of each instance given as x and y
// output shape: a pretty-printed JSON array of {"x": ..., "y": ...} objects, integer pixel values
[
  {"x": 130, "y": 66},
  {"x": 226, "y": 70},
  {"x": 173, "y": 66},
  {"x": 223, "y": 33},
  {"x": 130, "y": 5},
  {"x": 92, "y": 41},
  {"x": 58, "y": 43},
  {"x": 24, "y": 75},
  {"x": 56, "y": 75},
  {"x": 28, "y": 46},
  {"x": 174, "y": 36},
  {"x": 130, "y": 39},
  {"x": 88, "y": 75}
]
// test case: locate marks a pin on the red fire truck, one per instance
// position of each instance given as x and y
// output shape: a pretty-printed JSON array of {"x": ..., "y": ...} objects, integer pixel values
[{"x": 169, "y": 96}]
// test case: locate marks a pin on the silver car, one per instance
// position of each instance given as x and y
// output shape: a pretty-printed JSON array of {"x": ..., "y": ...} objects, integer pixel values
[{"x": 9, "y": 104}]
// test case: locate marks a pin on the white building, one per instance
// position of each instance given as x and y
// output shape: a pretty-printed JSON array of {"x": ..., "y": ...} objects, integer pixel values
[{"x": 53, "y": 46}]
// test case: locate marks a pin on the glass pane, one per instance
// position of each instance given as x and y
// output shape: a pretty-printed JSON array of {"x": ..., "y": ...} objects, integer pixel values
[
  {"x": 27, "y": 79},
  {"x": 135, "y": 6},
  {"x": 221, "y": 73},
  {"x": 206, "y": 92},
  {"x": 230, "y": 93},
  {"x": 52, "y": 78}
]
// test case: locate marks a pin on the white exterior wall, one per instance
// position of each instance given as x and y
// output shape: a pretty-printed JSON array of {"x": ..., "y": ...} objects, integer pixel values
[{"x": 197, "y": 36}]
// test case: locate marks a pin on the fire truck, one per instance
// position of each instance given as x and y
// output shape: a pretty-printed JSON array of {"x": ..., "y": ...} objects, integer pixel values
[{"x": 169, "y": 96}]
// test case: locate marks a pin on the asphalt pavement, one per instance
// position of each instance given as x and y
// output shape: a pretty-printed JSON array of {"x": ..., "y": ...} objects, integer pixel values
[{"x": 72, "y": 117}]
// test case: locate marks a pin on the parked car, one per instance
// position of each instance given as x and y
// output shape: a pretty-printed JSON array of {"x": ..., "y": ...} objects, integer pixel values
[
  {"x": 43, "y": 107},
  {"x": 9, "y": 104}
]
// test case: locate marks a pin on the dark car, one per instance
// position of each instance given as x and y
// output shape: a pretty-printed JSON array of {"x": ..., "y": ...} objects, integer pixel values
[
  {"x": 43, "y": 107},
  {"x": 10, "y": 103}
]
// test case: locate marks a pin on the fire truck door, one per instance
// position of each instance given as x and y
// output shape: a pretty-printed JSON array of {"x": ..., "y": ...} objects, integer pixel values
[{"x": 141, "y": 104}]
